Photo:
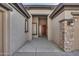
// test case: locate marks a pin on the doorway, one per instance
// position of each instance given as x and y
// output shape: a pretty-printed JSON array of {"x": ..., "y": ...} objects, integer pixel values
[
  {"x": 39, "y": 26},
  {"x": 42, "y": 26},
  {"x": 43, "y": 30}
]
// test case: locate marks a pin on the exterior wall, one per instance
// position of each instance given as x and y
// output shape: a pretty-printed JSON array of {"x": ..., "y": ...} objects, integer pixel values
[
  {"x": 75, "y": 41},
  {"x": 17, "y": 28},
  {"x": 49, "y": 29},
  {"x": 76, "y": 34},
  {"x": 49, "y": 22},
  {"x": 70, "y": 43},
  {"x": 68, "y": 14},
  {"x": 55, "y": 32},
  {"x": 40, "y": 11},
  {"x": 29, "y": 37},
  {"x": 6, "y": 31},
  {"x": 1, "y": 49}
]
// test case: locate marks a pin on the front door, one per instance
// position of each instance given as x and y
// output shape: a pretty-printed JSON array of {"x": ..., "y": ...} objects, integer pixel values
[
  {"x": 44, "y": 30},
  {"x": 1, "y": 47}
]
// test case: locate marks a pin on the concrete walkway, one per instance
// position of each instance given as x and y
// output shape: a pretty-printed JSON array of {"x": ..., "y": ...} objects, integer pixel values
[{"x": 42, "y": 47}]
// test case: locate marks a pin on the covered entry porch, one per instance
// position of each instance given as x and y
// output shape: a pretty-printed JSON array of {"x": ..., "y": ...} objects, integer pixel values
[{"x": 42, "y": 47}]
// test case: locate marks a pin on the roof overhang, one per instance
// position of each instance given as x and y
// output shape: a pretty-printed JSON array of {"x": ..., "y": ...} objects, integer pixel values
[
  {"x": 64, "y": 6},
  {"x": 6, "y": 6},
  {"x": 20, "y": 8}
]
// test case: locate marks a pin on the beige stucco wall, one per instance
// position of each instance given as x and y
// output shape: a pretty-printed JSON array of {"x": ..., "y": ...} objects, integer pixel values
[
  {"x": 17, "y": 30},
  {"x": 54, "y": 33},
  {"x": 49, "y": 22},
  {"x": 1, "y": 49},
  {"x": 29, "y": 37},
  {"x": 6, "y": 31},
  {"x": 17, "y": 35},
  {"x": 68, "y": 14}
]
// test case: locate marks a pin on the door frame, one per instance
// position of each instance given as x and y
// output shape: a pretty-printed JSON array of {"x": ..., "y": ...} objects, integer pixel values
[{"x": 39, "y": 24}]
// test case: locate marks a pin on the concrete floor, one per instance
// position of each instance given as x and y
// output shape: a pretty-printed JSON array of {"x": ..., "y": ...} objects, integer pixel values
[{"x": 42, "y": 47}]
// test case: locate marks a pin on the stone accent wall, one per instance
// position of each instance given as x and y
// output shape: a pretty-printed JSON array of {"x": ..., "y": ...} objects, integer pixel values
[
  {"x": 68, "y": 42},
  {"x": 67, "y": 32}
]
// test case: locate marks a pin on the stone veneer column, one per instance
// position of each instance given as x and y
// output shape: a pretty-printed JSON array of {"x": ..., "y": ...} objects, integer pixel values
[{"x": 68, "y": 37}]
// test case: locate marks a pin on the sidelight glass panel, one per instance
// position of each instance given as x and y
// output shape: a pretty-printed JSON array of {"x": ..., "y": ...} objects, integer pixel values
[{"x": 34, "y": 29}]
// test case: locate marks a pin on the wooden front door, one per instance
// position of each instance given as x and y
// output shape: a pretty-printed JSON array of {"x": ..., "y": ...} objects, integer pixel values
[
  {"x": 44, "y": 30},
  {"x": 1, "y": 42}
]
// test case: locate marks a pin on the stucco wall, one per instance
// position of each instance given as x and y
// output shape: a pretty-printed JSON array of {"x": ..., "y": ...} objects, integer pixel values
[
  {"x": 49, "y": 22},
  {"x": 1, "y": 33},
  {"x": 54, "y": 28},
  {"x": 6, "y": 30},
  {"x": 68, "y": 14},
  {"x": 17, "y": 28},
  {"x": 29, "y": 37}
]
